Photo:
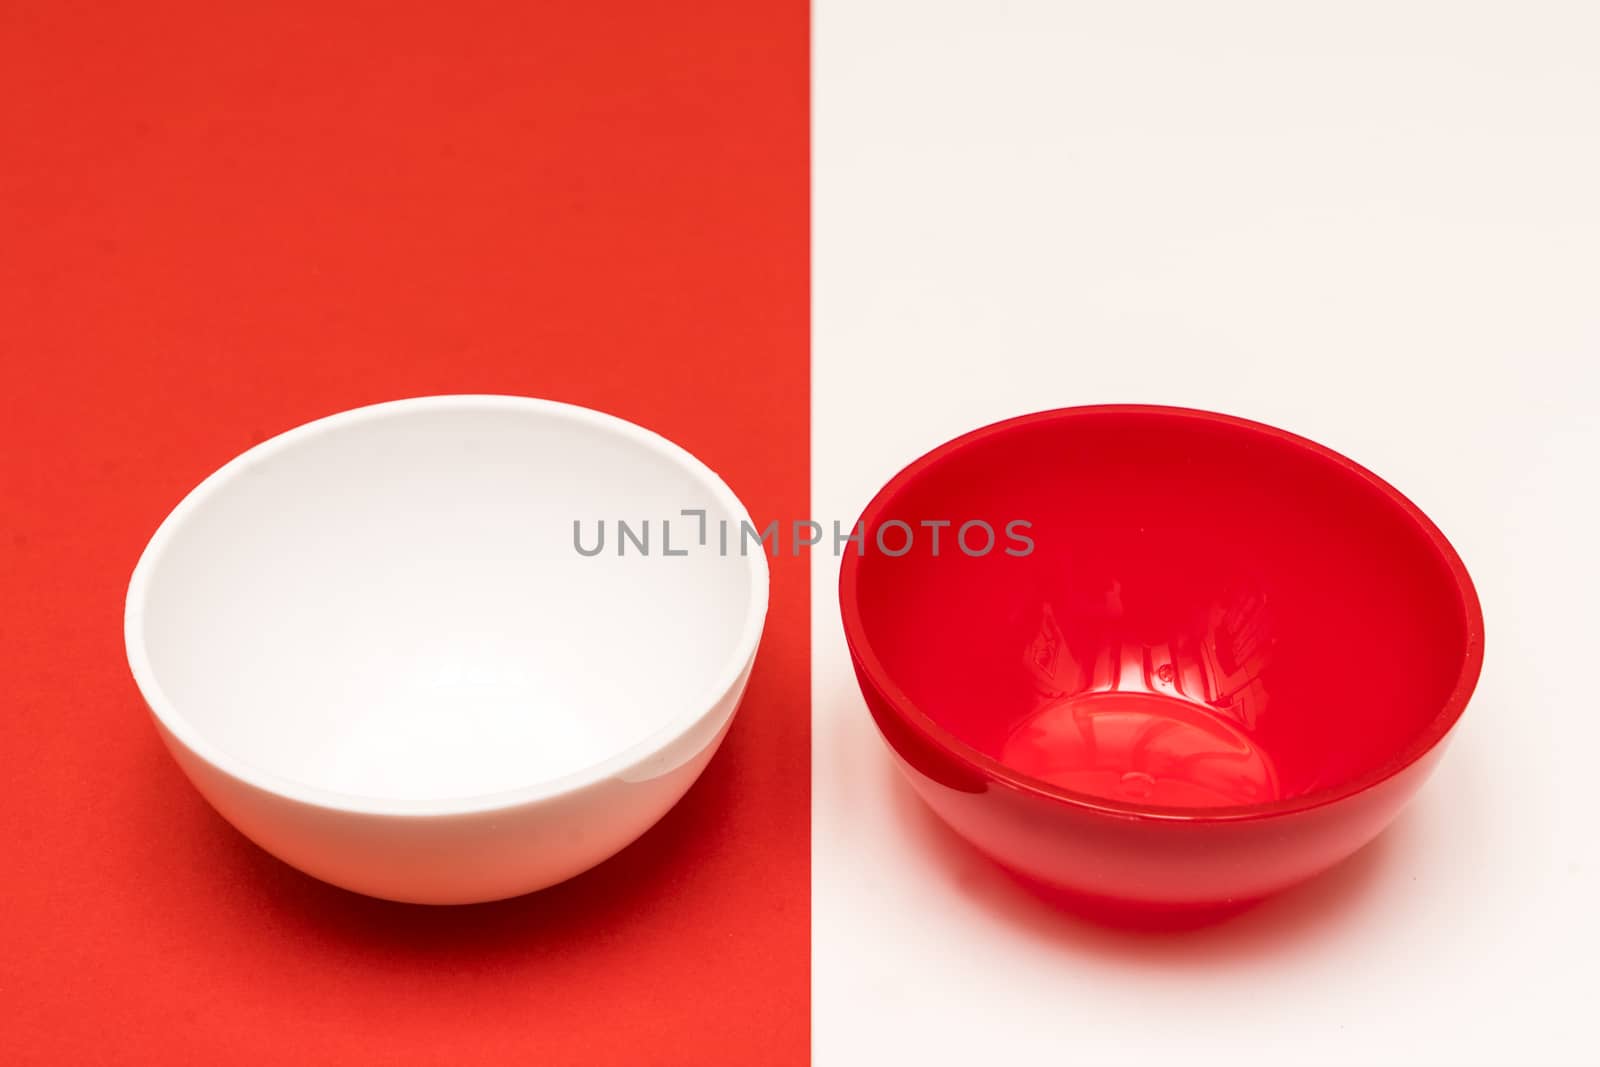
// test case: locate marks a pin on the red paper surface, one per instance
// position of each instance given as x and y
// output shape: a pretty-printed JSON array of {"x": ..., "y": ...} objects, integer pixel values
[{"x": 220, "y": 220}]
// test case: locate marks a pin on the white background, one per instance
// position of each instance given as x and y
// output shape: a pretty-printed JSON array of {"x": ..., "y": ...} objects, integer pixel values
[{"x": 1375, "y": 224}]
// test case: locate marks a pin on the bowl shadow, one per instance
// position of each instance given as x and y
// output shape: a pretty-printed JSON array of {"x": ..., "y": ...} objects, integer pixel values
[
  {"x": 601, "y": 903},
  {"x": 1307, "y": 912}
]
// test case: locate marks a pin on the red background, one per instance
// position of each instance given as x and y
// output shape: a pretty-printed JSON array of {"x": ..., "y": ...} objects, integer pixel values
[{"x": 217, "y": 222}]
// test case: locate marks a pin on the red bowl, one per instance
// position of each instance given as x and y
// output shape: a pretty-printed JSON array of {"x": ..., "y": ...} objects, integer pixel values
[{"x": 1199, "y": 661}]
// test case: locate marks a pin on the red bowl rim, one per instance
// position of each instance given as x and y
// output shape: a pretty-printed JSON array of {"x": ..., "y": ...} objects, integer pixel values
[{"x": 991, "y": 769}]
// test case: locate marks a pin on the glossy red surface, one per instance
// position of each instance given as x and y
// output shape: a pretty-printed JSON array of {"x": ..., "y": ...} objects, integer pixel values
[{"x": 1229, "y": 658}]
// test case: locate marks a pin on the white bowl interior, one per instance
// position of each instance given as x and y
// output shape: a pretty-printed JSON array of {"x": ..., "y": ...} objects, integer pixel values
[{"x": 389, "y": 604}]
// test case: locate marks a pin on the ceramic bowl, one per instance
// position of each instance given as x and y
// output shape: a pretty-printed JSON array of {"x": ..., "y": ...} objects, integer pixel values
[
  {"x": 381, "y": 648},
  {"x": 1201, "y": 660}
]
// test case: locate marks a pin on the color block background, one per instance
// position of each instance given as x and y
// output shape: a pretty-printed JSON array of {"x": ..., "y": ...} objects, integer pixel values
[
  {"x": 219, "y": 221},
  {"x": 1373, "y": 223}
]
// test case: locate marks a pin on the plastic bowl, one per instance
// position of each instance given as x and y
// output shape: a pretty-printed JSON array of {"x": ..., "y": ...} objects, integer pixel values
[
  {"x": 1217, "y": 661},
  {"x": 372, "y": 643}
]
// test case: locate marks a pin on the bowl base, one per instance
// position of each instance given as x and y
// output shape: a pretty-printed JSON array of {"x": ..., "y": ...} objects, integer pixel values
[{"x": 1133, "y": 916}]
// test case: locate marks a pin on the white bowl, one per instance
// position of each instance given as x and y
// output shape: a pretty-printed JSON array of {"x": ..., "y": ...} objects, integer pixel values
[{"x": 373, "y": 646}]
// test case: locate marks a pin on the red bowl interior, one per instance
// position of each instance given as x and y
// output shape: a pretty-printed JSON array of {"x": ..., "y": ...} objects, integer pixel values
[{"x": 1215, "y": 616}]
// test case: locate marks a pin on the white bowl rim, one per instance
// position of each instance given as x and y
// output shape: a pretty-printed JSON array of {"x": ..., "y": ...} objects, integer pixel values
[{"x": 180, "y": 727}]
